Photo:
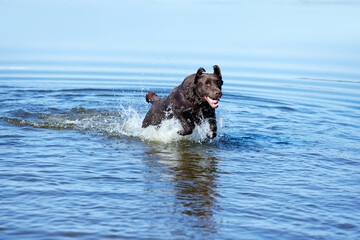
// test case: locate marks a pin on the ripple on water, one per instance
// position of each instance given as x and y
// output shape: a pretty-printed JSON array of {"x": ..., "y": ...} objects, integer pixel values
[{"x": 284, "y": 164}]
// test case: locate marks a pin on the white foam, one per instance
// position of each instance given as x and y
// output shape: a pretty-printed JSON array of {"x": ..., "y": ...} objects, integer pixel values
[
  {"x": 127, "y": 122},
  {"x": 167, "y": 132}
]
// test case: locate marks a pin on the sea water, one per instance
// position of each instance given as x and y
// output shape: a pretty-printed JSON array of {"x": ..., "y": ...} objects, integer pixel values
[{"x": 76, "y": 164}]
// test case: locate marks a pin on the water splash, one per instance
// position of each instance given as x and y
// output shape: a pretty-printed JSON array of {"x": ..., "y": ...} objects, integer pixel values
[
  {"x": 125, "y": 122},
  {"x": 130, "y": 126}
]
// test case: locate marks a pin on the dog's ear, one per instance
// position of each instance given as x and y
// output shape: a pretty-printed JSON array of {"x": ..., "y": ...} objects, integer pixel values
[
  {"x": 217, "y": 71},
  {"x": 199, "y": 72}
]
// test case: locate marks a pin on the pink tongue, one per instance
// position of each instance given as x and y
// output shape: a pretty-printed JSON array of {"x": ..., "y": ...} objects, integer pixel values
[{"x": 212, "y": 102}]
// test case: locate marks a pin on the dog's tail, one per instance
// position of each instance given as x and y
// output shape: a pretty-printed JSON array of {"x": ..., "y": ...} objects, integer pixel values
[{"x": 152, "y": 97}]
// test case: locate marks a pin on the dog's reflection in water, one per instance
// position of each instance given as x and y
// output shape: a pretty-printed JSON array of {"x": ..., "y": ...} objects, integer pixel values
[{"x": 188, "y": 175}]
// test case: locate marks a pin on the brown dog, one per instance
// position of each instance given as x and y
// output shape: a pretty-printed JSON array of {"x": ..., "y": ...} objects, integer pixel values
[{"x": 192, "y": 102}]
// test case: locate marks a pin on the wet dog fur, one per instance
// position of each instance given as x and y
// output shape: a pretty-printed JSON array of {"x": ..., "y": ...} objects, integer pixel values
[{"x": 192, "y": 102}]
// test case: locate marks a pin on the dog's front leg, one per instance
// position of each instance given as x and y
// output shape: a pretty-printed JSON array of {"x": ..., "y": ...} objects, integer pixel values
[
  {"x": 187, "y": 128},
  {"x": 186, "y": 121},
  {"x": 213, "y": 128}
]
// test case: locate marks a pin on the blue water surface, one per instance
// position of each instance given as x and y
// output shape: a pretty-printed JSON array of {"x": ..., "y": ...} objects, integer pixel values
[{"x": 76, "y": 164}]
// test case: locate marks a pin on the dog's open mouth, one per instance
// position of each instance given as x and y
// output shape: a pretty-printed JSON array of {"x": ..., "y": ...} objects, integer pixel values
[{"x": 214, "y": 103}]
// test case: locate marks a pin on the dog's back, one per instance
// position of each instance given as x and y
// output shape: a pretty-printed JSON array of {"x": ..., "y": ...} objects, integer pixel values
[{"x": 156, "y": 113}]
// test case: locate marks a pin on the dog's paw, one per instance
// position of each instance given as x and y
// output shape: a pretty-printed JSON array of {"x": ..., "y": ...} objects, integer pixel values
[
  {"x": 211, "y": 135},
  {"x": 185, "y": 132}
]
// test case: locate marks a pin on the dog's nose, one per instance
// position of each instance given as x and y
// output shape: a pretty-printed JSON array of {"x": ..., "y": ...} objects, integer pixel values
[{"x": 217, "y": 93}]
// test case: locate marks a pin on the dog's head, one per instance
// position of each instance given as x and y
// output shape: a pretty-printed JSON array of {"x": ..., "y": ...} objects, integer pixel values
[{"x": 208, "y": 86}]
